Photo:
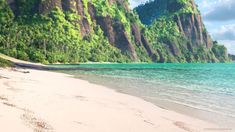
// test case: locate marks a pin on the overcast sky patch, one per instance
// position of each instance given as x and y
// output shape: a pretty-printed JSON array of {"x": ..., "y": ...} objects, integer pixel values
[
  {"x": 220, "y": 11},
  {"x": 226, "y": 32}
]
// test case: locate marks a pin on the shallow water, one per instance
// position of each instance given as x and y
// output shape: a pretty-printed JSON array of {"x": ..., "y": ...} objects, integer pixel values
[{"x": 208, "y": 88}]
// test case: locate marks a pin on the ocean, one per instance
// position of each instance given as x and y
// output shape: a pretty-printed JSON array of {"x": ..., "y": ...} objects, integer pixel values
[{"x": 205, "y": 91}]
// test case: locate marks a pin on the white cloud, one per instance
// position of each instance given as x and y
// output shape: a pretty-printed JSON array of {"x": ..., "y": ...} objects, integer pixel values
[
  {"x": 226, "y": 32},
  {"x": 220, "y": 10},
  {"x": 206, "y": 5},
  {"x": 226, "y": 36}
]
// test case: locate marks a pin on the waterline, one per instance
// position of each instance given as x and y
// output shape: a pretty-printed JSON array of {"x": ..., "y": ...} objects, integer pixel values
[{"x": 209, "y": 89}]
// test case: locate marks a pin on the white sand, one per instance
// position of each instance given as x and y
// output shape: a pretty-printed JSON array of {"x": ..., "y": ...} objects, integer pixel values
[{"x": 46, "y": 101}]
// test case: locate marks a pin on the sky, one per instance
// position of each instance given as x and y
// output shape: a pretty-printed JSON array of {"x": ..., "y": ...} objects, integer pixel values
[{"x": 219, "y": 19}]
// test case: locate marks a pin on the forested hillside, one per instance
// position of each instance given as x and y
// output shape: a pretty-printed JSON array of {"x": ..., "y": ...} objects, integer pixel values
[
  {"x": 71, "y": 31},
  {"x": 176, "y": 30}
]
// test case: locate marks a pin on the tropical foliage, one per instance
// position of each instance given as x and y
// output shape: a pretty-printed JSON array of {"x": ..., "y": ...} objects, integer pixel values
[
  {"x": 51, "y": 38},
  {"x": 55, "y": 37}
]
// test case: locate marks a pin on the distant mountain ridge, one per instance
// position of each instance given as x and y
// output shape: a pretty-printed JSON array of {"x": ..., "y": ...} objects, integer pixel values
[{"x": 70, "y": 31}]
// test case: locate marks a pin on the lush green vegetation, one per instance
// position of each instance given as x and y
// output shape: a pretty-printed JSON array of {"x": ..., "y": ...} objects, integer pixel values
[
  {"x": 5, "y": 63},
  {"x": 118, "y": 12},
  {"x": 182, "y": 7},
  {"x": 172, "y": 46},
  {"x": 232, "y": 57},
  {"x": 164, "y": 34},
  {"x": 55, "y": 36},
  {"x": 152, "y": 10},
  {"x": 220, "y": 52},
  {"x": 51, "y": 38}
]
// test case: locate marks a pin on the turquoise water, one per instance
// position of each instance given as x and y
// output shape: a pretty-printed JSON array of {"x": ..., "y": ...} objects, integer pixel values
[{"x": 206, "y": 87}]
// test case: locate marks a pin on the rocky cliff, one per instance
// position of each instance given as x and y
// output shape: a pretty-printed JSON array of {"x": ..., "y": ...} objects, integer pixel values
[
  {"x": 185, "y": 19},
  {"x": 91, "y": 13},
  {"x": 185, "y": 14},
  {"x": 103, "y": 30},
  {"x": 118, "y": 23}
]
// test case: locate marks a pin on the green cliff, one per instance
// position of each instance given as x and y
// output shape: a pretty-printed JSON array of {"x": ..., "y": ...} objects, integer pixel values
[
  {"x": 71, "y": 31},
  {"x": 176, "y": 31}
]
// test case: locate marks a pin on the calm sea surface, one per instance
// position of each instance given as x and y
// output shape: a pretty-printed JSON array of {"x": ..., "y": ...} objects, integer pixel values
[{"x": 206, "y": 91}]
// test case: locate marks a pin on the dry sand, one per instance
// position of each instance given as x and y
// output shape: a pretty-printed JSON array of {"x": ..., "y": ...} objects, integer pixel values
[{"x": 46, "y": 101}]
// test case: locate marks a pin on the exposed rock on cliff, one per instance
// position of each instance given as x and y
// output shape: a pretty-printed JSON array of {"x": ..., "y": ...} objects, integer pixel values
[
  {"x": 105, "y": 30},
  {"x": 182, "y": 17},
  {"x": 113, "y": 28}
]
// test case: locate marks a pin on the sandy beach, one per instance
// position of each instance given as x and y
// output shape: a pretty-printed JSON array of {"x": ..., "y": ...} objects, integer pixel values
[{"x": 42, "y": 101}]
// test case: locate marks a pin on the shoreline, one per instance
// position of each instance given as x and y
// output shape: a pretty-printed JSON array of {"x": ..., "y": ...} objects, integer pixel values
[
  {"x": 48, "y": 101},
  {"x": 195, "y": 112}
]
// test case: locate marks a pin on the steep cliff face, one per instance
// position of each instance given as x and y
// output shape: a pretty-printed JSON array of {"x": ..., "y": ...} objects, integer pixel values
[
  {"x": 104, "y": 30},
  {"x": 75, "y": 6},
  {"x": 113, "y": 27},
  {"x": 184, "y": 13},
  {"x": 118, "y": 23},
  {"x": 180, "y": 29},
  {"x": 192, "y": 27},
  {"x": 115, "y": 31}
]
